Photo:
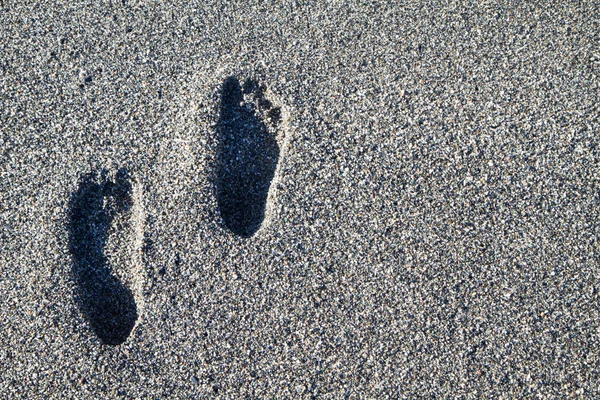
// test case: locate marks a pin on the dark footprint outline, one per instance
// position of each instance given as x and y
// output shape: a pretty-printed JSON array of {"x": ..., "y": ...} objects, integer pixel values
[
  {"x": 248, "y": 154},
  {"x": 106, "y": 303}
]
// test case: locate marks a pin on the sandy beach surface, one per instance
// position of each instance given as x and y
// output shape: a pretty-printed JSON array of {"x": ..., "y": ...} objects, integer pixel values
[{"x": 306, "y": 200}]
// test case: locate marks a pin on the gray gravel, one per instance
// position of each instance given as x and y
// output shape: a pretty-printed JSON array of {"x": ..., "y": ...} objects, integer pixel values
[{"x": 431, "y": 228}]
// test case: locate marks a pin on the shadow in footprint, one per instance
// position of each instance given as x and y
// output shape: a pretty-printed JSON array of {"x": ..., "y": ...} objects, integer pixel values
[
  {"x": 248, "y": 155},
  {"x": 105, "y": 302}
]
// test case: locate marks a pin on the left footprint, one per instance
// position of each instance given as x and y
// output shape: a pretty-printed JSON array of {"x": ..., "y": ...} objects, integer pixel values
[{"x": 102, "y": 241}]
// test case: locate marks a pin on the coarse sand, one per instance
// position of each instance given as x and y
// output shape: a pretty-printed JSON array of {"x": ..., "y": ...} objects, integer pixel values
[{"x": 321, "y": 199}]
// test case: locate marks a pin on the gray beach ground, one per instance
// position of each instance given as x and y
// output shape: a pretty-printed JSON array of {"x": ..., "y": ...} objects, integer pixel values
[{"x": 431, "y": 228}]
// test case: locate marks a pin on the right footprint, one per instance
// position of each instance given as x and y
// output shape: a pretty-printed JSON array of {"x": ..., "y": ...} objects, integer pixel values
[
  {"x": 248, "y": 154},
  {"x": 105, "y": 234}
]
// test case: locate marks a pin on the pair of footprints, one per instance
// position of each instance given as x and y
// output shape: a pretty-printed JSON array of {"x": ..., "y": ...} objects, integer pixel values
[{"x": 107, "y": 218}]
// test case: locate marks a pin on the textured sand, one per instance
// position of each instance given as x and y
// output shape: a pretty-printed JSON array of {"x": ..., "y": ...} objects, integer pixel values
[{"x": 430, "y": 229}]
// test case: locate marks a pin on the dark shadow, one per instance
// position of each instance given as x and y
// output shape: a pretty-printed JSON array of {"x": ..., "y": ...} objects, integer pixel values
[
  {"x": 105, "y": 302},
  {"x": 248, "y": 155}
]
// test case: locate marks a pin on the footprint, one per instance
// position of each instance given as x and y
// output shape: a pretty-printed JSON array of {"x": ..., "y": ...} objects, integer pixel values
[
  {"x": 248, "y": 154},
  {"x": 104, "y": 241}
]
